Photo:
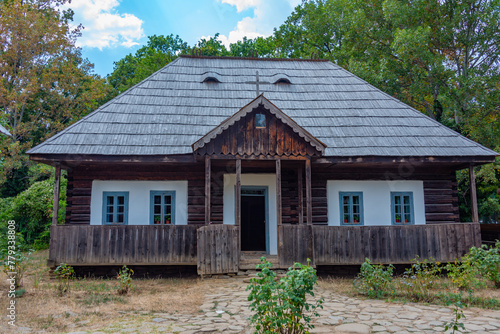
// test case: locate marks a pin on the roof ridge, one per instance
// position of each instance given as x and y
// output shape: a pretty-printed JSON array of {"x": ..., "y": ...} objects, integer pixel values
[{"x": 254, "y": 58}]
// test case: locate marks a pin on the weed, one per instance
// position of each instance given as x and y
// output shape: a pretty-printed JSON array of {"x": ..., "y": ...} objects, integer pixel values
[
  {"x": 124, "y": 280},
  {"x": 64, "y": 274},
  {"x": 455, "y": 324},
  {"x": 419, "y": 280}
]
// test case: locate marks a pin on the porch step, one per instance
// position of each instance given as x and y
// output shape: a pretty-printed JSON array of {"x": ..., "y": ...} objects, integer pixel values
[{"x": 248, "y": 260}]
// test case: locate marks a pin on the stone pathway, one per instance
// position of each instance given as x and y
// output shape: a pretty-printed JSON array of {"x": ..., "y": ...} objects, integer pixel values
[{"x": 226, "y": 311}]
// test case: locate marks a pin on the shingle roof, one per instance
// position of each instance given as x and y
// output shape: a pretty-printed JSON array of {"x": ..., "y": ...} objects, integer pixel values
[{"x": 172, "y": 109}]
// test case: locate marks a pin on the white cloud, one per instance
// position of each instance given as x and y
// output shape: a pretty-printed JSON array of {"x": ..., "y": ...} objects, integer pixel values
[
  {"x": 104, "y": 26},
  {"x": 262, "y": 22},
  {"x": 241, "y": 5}
]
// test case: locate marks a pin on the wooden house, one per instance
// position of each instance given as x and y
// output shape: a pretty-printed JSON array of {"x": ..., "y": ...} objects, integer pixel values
[{"x": 215, "y": 161}]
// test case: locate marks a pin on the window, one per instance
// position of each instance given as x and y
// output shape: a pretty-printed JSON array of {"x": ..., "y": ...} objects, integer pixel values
[
  {"x": 260, "y": 121},
  {"x": 351, "y": 208},
  {"x": 402, "y": 208},
  {"x": 163, "y": 207},
  {"x": 115, "y": 207}
]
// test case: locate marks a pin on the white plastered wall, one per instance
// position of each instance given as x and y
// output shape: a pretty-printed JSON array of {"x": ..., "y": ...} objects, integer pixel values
[
  {"x": 229, "y": 199},
  {"x": 376, "y": 199},
  {"x": 139, "y": 199}
]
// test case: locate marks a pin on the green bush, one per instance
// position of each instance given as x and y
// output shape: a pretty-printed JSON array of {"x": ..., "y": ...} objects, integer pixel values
[
  {"x": 465, "y": 273},
  {"x": 374, "y": 280},
  {"x": 32, "y": 211},
  {"x": 487, "y": 259},
  {"x": 280, "y": 306}
]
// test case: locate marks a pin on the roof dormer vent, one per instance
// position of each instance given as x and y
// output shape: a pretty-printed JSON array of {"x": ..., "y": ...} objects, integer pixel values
[
  {"x": 282, "y": 81},
  {"x": 211, "y": 80}
]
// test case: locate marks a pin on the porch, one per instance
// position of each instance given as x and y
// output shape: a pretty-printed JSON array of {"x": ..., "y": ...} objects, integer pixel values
[{"x": 215, "y": 249}]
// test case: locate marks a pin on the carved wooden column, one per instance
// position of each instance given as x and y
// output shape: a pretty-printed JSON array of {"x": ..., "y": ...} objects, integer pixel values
[
  {"x": 308, "y": 192},
  {"x": 238, "y": 192},
  {"x": 300, "y": 207},
  {"x": 208, "y": 177},
  {"x": 278, "y": 192},
  {"x": 57, "y": 190},
  {"x": 473, "y": 195}
]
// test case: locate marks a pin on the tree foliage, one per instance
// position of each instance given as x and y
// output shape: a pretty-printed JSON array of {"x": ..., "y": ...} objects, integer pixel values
[
  {"x": 45, "y": 83},
  {"x": 132, "y": 69}
]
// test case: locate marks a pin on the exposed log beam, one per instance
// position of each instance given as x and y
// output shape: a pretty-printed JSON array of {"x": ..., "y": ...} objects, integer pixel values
[
  {"x": 57, "y": 190},
  {"x": 300, "y": 207},
  {"x": 473, "y": 195}
]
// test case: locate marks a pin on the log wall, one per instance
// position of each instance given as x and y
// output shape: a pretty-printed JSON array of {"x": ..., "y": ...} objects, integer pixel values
[
  {"x": 440, "y": 188},
  {"x": 122, "y": 245}
]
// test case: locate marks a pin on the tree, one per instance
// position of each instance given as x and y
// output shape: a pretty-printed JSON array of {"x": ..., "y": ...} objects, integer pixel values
[
  {"x": 45, "y": 83},
  {"x": 132, "y": 69}
]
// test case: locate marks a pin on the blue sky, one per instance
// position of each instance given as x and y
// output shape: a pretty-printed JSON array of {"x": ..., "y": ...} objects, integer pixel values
[{"x": 115, "y": 28}]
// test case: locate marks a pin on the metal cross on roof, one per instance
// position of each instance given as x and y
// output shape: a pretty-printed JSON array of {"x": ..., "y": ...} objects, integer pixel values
[{"x": 257, "y": 83}]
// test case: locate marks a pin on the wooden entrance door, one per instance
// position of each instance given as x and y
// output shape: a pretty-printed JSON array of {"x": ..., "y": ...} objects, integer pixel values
[{"x": 254, "y": 231}]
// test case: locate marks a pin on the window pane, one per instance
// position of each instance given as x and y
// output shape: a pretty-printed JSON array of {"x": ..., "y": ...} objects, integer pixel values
[
  {"x": 110, "y": 209},
  {"x": 168, "y": 199},
  {"x": 110, "y": 200},
  {"x": 121, "y": 209},
  {"x": 168, "y": 209},
  {"x": 109, "y": 218},
  {"x": 345, "y": 200},
  {"x": 157, "y": 209},
  {"x": 121, "y": 200},
  {"x": 355, "y": 209},
  {"x": 260, "y": 120},
  {"x": 408, "y": 218},
  {"x": 356, "y": 219},
  {"x": 355, "y": 200},
  {"x": 157, "y": 219},
  {"x": 407, "y": 209},
  {"x": 407, "y": 200},
  {"x": 121, "y": 218},
  {"x": 157, "y": 199}
]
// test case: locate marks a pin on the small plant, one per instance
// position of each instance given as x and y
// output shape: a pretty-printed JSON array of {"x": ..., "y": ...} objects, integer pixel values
[
  {"x": 64, "y": 274},
  {"x": 124, "y": 280},
  {"x": 420, "y": 278},
  {"x": 455, "y": 324},
  {"x": 15, "y": 264},
  {"x": 280, "y": 306},
  {"x": 374, "y": 280}
]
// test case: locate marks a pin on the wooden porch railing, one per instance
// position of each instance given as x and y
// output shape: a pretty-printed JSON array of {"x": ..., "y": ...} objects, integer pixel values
[
  {"x": 345, "y": 245},
  {"x": 117, "y": 245}
]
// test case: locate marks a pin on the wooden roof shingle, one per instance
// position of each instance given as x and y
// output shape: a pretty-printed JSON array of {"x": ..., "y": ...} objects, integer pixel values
[{"x": 172, "y": 109}]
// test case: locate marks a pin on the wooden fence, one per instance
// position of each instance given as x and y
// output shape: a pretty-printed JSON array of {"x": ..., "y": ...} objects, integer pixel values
[
  {"x": 295, "y": 244},
  {"x": 218, "y": 249},
  {"x": 346, "y": 245},
  {"x": 118, "y": 245}
]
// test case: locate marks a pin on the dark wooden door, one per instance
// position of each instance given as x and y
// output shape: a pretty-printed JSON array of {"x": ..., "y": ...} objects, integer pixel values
[{"x": 253, "y": 223}]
